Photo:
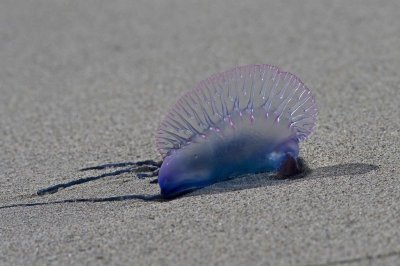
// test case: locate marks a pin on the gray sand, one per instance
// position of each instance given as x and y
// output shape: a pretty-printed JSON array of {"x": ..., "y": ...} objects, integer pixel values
[{"x": 85, "y": 83}]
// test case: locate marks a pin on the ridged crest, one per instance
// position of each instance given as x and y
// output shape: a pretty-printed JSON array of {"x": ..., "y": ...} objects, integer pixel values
[{"x": 281, "y": 95}]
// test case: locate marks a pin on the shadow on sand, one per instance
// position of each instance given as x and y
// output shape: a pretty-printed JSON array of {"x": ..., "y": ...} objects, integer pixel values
[{"x": 150, "y": 168}]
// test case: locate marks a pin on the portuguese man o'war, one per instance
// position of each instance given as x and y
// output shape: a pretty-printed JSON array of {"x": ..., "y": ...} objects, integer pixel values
[
  {"x": 246, "y": 120},
  {"x": 249, "y": 119}
]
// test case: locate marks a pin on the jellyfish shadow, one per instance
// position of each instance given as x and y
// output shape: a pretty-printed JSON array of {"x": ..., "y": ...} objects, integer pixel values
[
  {"x": 267, "y": 180},
  {"x": 234, "y": 184}
]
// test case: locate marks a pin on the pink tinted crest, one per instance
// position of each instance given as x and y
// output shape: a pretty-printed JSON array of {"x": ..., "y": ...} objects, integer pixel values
[{"x": 242, "y": 90}]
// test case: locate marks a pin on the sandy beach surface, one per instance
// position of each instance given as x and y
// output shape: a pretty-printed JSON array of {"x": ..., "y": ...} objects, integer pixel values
[{"x": 86, "y": 83}]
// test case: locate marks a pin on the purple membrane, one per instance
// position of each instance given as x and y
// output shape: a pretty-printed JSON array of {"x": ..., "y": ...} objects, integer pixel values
[{"x": 249, "y": 119}]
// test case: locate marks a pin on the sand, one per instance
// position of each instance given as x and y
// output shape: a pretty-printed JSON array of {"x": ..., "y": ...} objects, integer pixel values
[{"x": 85, "y": 83}]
